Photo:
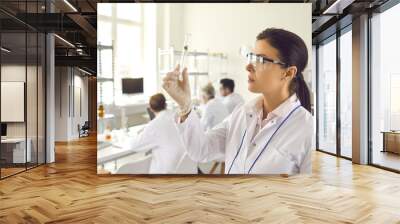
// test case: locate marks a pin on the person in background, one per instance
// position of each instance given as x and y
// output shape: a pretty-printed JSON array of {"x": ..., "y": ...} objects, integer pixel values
[
  {"x": 230, "y": 98},
  {"x": 214, "y": 111},
  {"x": 169, "y": 153}
]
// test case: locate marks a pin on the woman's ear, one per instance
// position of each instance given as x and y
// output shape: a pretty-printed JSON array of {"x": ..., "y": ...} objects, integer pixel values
[{"x": 291, "y": 72}]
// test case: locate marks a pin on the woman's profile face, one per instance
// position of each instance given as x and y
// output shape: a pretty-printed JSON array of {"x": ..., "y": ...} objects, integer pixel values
[{"x": 267, "y": 77}]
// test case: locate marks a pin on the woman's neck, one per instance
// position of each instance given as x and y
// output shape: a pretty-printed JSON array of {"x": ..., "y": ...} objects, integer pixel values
[{"x": 272, "y": 100}]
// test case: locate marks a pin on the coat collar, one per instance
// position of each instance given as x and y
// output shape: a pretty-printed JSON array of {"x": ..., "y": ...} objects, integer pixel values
[
  {"x": 163, "y": 113},
  {"x": 254, "y": 107}
]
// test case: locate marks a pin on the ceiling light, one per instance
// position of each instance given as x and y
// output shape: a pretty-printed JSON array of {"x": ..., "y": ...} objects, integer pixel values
[
  {"x": 5, "y": 50},
  {"x": 64, "y": 40},
  {"x": 337, "y": 7},
  {"x": 70, "y": 5},
  {"x": 84, "y": 71}
]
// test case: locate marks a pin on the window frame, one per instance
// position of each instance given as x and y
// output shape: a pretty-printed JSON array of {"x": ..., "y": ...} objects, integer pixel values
[
  {"x": 115, "y": 21},
  {"x": 334, "y": 37},
  {"x": 379, "y": 10}
]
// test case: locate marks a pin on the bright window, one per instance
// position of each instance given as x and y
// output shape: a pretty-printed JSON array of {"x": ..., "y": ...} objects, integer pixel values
[
  {"x": 385, "y": 87},
  {"x": 105, "y": 92},
  {"x": 104, "y": 37},
  {"x": 105, "y": 68},
  {"x": 129, "y": 12},
  {"x": 346, "y": 94},
  {"x": 104, "y": 9},
  {"x": 327, "y": 96},
  {"x": 119, "y": 26}
]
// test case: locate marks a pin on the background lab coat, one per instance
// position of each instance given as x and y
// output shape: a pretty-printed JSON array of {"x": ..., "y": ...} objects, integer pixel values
[
  {"x": 170, "y": 151},
  {"x": 289, "y": 152},
  {"x": 213, "y": 113},
  {"x": 231, "y": 101}
]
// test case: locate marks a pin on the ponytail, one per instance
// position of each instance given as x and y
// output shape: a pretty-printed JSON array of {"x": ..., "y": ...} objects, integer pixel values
[{"x": 302, "y": 91}]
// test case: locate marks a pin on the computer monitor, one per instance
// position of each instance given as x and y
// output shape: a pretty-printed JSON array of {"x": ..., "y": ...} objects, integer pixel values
[
  {"x": 3, "y": 129},
  {"x": 132, "y": 86}
]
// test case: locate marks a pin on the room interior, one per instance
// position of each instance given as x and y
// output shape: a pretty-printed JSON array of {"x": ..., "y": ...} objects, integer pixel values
[
  {"x": 49, "y": 174},
  {"x": 39, "y": 108}
]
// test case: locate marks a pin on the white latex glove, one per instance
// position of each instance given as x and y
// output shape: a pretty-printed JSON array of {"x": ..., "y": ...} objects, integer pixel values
[{"x": 179, "y": 90}]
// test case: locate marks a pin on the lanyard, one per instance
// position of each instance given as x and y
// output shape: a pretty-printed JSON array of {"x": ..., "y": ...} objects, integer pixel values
[{"x": 269, "y": 140}]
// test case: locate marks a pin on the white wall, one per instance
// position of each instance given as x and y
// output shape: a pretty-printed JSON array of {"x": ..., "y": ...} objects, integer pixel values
[
  {"x": 17, "y": 73},
  {"x": 226, "y": 27},
  {"x": 12, "y": 73},
  {"x": 80, "y": 83},
  {"x": 169, "y": 31},
  {"x": 34, "y": 125},
  {"x": 150, "y": 48},
  {"x": 68, "y": 83},
  {"x": 61, "y": 103}
]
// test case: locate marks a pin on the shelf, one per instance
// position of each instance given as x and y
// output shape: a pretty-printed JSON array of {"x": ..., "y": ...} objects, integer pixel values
[
  {"x": 190, "y": 73},
  {"x": 104, "y": 47},
  {"x": 198, "y": 73},
  {"x": 201, "y": 65},
  {"x": 193, "y": 53},
  {"x": 99, "y": 79}
]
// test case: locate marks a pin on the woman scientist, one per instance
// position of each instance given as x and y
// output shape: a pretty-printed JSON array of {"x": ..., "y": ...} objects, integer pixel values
[{"x": 271, "y": 134}]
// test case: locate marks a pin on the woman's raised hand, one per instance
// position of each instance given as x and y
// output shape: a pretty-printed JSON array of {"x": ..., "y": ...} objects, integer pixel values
[{"x": 178, "y": 89}]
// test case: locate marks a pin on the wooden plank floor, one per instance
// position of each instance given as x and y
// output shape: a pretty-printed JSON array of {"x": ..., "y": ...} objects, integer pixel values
[
  {"x": 70, "y": 191},
  {"x": 10, "y": 171}
]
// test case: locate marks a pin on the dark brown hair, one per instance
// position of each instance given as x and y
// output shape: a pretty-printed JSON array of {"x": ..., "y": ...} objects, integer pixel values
[
  {"x": 293, "y": 52},
  {"x": 157, "y": 102},
  {"x": 228, "y": 83}
]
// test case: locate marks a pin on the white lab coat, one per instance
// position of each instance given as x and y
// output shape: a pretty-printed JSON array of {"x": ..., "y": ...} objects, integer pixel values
[
  {"x": 213, "y": 113},
  {"x": 289, "y": 152},
  {"x": 231, "y": 101},
  {"x": 169, "y": 152}
]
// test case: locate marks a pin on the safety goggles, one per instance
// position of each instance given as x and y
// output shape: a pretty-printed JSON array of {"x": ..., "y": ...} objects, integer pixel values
[{"x": 261, "y": 61}]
